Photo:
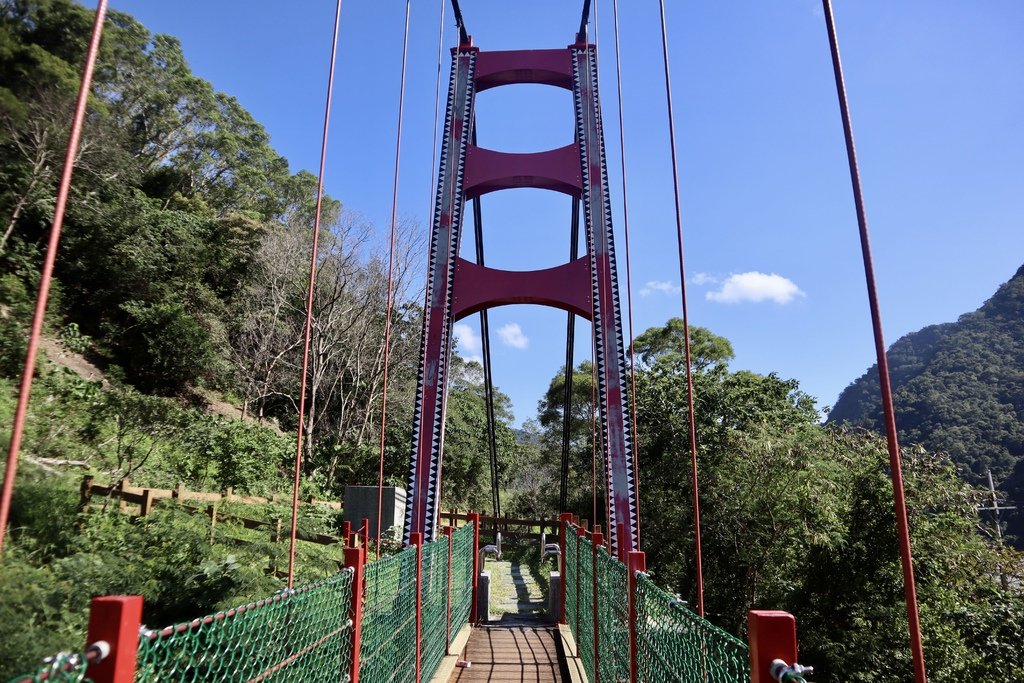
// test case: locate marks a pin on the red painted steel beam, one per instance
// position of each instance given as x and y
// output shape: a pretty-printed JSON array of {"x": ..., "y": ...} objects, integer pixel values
[
  {"x": 557, "y": 169},
  {"x": 355, "y": 558},
  {"x": 771, "y": 635},
  {"x": 424, "y": 483},
  {"x": 478, "y": 288},
  {"x": 610, "y": 348},
  {"x": 115, "y": 619},
  {"x": 508, "y": 67}
]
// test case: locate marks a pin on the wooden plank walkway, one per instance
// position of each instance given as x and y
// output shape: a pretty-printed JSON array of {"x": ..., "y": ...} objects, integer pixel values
[{"x": 522, "y": 650}]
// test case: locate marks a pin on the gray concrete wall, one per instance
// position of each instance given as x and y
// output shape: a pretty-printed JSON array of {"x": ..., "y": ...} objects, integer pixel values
[
  {"x": 483, "y": 596},
  {"x": 361, "y": 502},
  {"x": 554, "y": 596}
]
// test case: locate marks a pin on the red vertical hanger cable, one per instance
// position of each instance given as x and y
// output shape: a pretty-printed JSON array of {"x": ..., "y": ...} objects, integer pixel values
[
  {"x": 391, "y": 275},
  {"x": 899, "y": 497},
  {"x": 36, "y": 330},
  {"x": 686, "y": 322},
  {"x": 309, "y": 301}
]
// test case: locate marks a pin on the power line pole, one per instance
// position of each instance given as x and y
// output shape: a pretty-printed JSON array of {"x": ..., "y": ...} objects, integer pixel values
[{"x": 995, "y": 509}]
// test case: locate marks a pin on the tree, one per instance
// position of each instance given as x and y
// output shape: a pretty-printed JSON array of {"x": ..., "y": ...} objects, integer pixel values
[
  {"x": 798, "y": 516},
  {"x": 584, "y": 441},
  {"x": 466, "y": 474}
]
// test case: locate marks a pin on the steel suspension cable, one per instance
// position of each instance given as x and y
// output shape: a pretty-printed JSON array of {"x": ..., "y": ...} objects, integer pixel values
[
  {"x": 391, "y": 277},
  {"x": 46, "y": 275},
  {"x": 460, "y": 23},
  {"x": 629, "y": 275},
  {"x": 309, "y": 301},
  {"x": 570, "y": 343},
  {"x": 485, "y": 349},
  {"x": 686, "y": 322},
  {"x": 885, "y": 385},
  {"x": 437, "y": 102}
]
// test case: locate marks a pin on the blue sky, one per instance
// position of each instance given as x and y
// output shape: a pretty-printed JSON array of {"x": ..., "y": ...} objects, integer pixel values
[{"x": 772, "y": 253}]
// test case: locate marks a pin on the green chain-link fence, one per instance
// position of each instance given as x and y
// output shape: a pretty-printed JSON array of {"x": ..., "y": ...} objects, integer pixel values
[
  {"x": 301, "y": 635},
  {"x": 571, "y": 583},
  {"x": 675, "y": 644},
  {"x": 306, "y": 634},
  {"x": 388, "y": 648},
  {"x": 585, "y": 606},
  {"x": 462, "y": 577},
  {"x": 434, "y": 606},
  {"x": 63, "y": 667},
  {"x": 612, "y": 617}
]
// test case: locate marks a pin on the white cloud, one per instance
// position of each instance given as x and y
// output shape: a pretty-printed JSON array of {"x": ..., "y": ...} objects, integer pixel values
[
  {"x": 663, "y": 286},
  {"x": 755, "y": 287},
  {"x": 701, "y": 279},
  {"x": 468, "y": 342},
  {"x": 513, "y": 336}
]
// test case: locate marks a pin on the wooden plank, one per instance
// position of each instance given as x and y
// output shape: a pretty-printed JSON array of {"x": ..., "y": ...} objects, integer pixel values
[{"x": 521, "y": 653}]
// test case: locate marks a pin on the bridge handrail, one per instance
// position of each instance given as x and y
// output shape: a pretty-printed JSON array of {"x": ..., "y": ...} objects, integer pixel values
[
  {"x": 308, "y": 626},
  {"x": 675, "y": 643},
  {"x": 323, "y": 628},
  {"x": 626, "y": 628}
]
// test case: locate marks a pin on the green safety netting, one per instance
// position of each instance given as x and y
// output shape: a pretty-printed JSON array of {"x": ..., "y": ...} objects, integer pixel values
[
  {"x": 462, "y": 577},
  {"x": 63, "y": 667},
  {"x": 673, "y": 643},
  {"x": 434, "y": 606},
  {"x": 571, "y": 582},
  {"x": 676, "y": 644},
  {"x": 584, "y": 599},
  {"x": 613, "y": 617},
  {"x": 388, "y": 647},
  {"x": 299, "y": 635},
  {"x": 306, "y": 634}
]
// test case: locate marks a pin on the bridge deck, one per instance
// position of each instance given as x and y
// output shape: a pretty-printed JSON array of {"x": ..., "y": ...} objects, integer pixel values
[{"x": 522, "y": 650}]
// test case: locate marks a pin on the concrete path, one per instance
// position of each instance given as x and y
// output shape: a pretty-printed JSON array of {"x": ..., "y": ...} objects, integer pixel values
[{"x": 514, "y": 590}]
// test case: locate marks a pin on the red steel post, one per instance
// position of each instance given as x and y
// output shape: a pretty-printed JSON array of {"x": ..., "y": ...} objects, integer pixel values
[
  {"x": 346, "y": 533},
  {"x": 772, "y": 635},
  {"x": 474, "y": 519},
  {"x": 596, "y": 542},
  {"x": 637, "y": 562},
  {"x": 356, "y": 559},
  {"x": 448, "y": 605},
  {"x": 115, "y": 619},
  {"x": 566, "y": 520},
  {"x": 416, "y": 539}
]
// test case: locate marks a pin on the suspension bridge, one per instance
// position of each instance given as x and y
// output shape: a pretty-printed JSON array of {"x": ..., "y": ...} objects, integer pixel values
[{"x": 420, "y": 614}]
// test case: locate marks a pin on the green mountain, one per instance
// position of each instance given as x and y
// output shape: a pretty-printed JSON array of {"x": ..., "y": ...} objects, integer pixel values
[{"x": 959, "y": 388}]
